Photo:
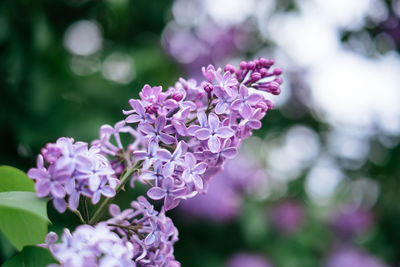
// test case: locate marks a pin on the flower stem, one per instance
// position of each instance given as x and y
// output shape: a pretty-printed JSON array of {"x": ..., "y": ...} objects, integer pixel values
[
  {"x": 77, "y": 213},
  {"x": 104, "y": 205},
  {"x": 85, "y": 209}
]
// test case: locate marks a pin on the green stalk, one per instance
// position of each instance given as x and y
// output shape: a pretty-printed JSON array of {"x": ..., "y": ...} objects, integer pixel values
[{"x": 104, "y": 205}]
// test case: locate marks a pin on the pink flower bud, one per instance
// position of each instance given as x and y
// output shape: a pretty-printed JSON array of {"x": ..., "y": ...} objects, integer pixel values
[
  {"x": 277, "y": 71},
  {"x": 230, "y": 68},
  {"x": 243, "y": 65},
  {"x": 208, "y": 87}
]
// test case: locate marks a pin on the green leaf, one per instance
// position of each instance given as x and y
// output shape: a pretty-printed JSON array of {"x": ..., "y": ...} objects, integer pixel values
[
  {"x": 23, "y": 218},
  {"x": 31, "y": 256},
  {"x": 12, "y": 179}
]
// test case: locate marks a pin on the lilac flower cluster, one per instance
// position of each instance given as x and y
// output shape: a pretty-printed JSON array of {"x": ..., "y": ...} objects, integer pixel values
[
  {"x": 151, "y": 233},
  {"x": 187, "y": 132},
  {"x": 91, "y": 246},
  {"x": 68, "y": 169},
  {"x": 139, "y": 236},
  {"x": 181, "y": 138}
]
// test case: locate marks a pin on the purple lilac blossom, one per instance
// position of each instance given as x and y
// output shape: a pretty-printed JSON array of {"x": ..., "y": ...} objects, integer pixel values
[
  {"x": 248, "y": 260},
  {"x": 179, "y": 142},
  {"x": 72, "y": 170},
  {"x": 187, "y": 139},
  {"x": 90, "y": 247},
  {"x": 139, "y": 236},
  {"x": 151, "y": 233}
]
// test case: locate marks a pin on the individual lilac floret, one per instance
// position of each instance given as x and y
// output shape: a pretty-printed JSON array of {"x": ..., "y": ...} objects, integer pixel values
[
  {"x": 172, "y": 196},
  {"x": 91, "y": 246},
  {"x": 214, "y": 133},
  {"x": 156, "y": 132},
  {"x": 139, "y": 116},
  {"x": 224, "y": 100},
  {"x": 149, "y": 157},
  {"x": 192, "y": 171},
  {"x": 76, "y": 171},
  {"x": 110, "y": 144},
  {"x": 245, "y": 102},
  {"x": 173, "y": 159}
]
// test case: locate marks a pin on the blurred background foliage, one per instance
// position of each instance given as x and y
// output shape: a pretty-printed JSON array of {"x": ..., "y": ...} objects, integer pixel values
[{"x": 319, "y": 185}]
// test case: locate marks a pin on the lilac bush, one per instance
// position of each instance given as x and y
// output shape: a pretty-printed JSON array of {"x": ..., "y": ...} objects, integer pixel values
[{"x": 181, "y": 137}]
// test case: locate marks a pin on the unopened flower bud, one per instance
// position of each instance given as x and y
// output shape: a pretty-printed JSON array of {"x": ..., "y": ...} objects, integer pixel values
[
  {"x": 264, "y": 72},
  {"x": 255, "y": 76},
  {"x": 230, "y": 68},
  {"x": 208, "y": 87},
  {"x": 243, "y": 65},
  {"x": 263, "y": 62},
  {"x": 278, "y": 80},
  {"x": 251, "y": 65},
  {"x": 277, "y": 71},
  {"x": 274, "y": 86},
  {"x": 177, "y": 96},
  {"x": 270, "y": 62}
]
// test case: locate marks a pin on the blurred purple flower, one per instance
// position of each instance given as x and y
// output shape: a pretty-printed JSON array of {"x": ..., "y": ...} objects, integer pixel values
[
  {"x": 349, "y": 221},
  {"x": 347, "y": 256},
  {"x": 221, "y": 203},
  {"x": 249, "y": 260},
  {"x": 287, "y": 216}
]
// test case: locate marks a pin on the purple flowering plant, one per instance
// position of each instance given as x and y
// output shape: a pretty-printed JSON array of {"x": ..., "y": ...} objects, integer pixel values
[{"x": 181, "y": 138}]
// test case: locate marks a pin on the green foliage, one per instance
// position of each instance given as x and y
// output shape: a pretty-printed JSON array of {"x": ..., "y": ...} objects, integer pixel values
[
  {"x": 30, "y": 256},
  {"x": 23, "y": 218},
  {"x": 12, "y": 179}
]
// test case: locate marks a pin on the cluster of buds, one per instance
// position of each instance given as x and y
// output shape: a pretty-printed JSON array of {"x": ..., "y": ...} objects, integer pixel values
[{"x": 181, "y": 138}]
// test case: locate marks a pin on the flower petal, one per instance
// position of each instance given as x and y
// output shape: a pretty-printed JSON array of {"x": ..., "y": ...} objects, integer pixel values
[
  {"x": 156, "y": 193},
  {"x": 160, "y": 123},
  {"x": 198, "y": 181},
  {"x": 107, "y": 191},
  {"x": 203, "y": 134},
  {"x": 214, "y": 144},
  {"x": 254, "y": 98},
  {"x": 170, "y": 202},
  {"x": 166, "y": 139},
  {"x": 60, "y": 204},
  {"x": 133, "y": 118},
  {"x": 213, "y": 121},
  {"x": 168, "y": 184},
  {"x": 57, "y": 190},
  {"x": 200, "y": 168},
  {"x": 245, "y": 110},
  {"x": 230, "y": 152},
  {"x": 225, "y": 132},
  {"x": 163, "y": 155},
  {"x": 73, "y": 200},
  {"x": 190, "y": 160}
]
